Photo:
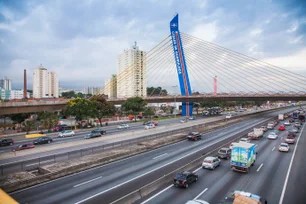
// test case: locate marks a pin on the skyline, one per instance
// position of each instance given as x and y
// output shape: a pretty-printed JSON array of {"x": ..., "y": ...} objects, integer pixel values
[{"x": 87, "y": 38}]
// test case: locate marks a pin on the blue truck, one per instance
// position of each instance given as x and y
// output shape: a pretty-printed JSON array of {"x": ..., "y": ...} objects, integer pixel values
[
  {"x": 243, "y": 156},
  {"x": 295, "y": 115}
]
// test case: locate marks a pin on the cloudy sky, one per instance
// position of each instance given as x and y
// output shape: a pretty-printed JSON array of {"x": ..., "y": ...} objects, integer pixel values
[{"x": 80, "y": 40}]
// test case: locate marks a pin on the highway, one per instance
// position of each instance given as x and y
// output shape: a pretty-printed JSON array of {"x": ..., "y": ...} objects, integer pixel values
[{"x": 109, "y": 182}]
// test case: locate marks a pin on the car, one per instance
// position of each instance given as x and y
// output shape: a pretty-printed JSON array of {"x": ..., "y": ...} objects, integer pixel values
[
  {"x": 282, "y": 128},
  {"x": 283, "y": 147},
  {"x": 101, "y": 130},
  {"x": 42, "y": 140},
  {"x": 149, "y": 126},
  {"x": 194, "y": 136},
  {"x": 224, "y": 153},
  {"x": 287, "y": 123},
  {"x": 24, "y": 146},
  {"x": 150, "y": 122},
  {"x": 211, "y": 163},
  {"x": 123, "y": 126},
  {"x": 66, "y": 133},
  {"x": 92, "y": 134},
  {"x": 296, "y": 130},
  {"x": 291, "y": 120},
  {"x": 276, "y": 122},
  {"x": 290, "y": 140},
  {"x": 297, "y": 124},
  {"x": 291, "y": 133},
  {"x": 272, "y": 136},
  {"x": 264, "y": 128},
  {"x": 184, "y": 179},
  {"x": 6, "y": 141},
  {"x": 243, "y": 197},
  {"x": 185, "y": 120},
  {"x": 197, "y": 201},
  {"x": 228, "y": 116},
  {"x": 244, "y": 139},
  {"x": 192, "y": 118}
]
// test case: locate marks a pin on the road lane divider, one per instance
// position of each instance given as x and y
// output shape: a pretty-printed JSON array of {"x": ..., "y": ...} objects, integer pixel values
[
  {"x": 273, "y": 148},
  {"x": 160, "y": 156},
  {"x": 86, "y": 182},
  {"x": 51, "y": 160},
  {"x": 157, "y": 194},
  {"x": 201, "y": 193},
  {"x": 289, "y": 169},
  {"x": 259, "y": 167}
]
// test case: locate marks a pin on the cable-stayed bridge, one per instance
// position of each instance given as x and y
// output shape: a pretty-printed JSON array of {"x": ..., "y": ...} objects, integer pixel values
[{"x": 194, "y": 70}]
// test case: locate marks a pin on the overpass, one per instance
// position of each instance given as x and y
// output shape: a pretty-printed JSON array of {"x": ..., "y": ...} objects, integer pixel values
[{"x": 53, "y": 106}]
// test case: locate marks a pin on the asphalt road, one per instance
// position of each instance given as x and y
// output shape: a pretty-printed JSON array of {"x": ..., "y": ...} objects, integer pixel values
[
  {"x": 109, "y": 182},
  {"x": 267, "y": 177}
]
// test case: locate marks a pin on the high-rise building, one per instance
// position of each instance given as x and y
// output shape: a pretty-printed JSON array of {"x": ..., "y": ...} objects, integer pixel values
[
  {"x": 131, "y": 79},
  {"x": 53, "y": 84},
  {"x": 18, "y": 94},
  {"x": 6, "y": 84},
  {"x": 92, "y": 90},
  {"x": 45, "y": 84},
  {"x": 110, "y": 87},
  {"x": 4, "y": 94}
]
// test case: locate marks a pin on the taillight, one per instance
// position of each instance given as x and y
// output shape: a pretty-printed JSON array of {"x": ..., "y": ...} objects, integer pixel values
[
  {"x": 183, "y": 182},
  {"x": 193, "y": 136}
]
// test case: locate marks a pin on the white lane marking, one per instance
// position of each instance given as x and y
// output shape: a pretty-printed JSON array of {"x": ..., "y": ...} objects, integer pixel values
[
  {"x": 259, "y": 167},
  {"x": 201, "y": 193},
  {"x": 40, "y": 162},
  {"x": 121, "y": 184},
  {"x": 256, "y": 145},
  {"x": 157, "y": 194},
  {"x": 86, "y": 182},
  {"x": 160, "y": 156},
  {"x": 273, "y": 148},
  {"x": 197, "y": 169},
  {"x": 289, "y": 169},
  {"x": 281, "y": 137}
]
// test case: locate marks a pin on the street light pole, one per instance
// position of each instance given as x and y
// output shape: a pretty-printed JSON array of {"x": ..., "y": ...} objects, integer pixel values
[{"x": 175, "y": 101}]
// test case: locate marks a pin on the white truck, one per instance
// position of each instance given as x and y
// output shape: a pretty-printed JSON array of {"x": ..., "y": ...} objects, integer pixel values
[
  {"x": 280, "y": 116},
  {"x": 256, "y": 134},
  {"x": 270, "y": 126}
]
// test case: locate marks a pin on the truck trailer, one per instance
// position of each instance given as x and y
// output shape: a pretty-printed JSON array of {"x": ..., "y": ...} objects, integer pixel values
[
  {"x": 280, "y": 116},
  {"x": 243, "y": 156}
]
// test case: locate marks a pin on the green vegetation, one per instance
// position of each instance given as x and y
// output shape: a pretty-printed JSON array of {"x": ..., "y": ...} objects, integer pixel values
[
  {"x": 50, "y": 120},
  {"x": 134, "y": 106},
  {"x": 156, "y": 91},
  {"x": 80, "y": 108},
  {"x": 102, "y": 108}
]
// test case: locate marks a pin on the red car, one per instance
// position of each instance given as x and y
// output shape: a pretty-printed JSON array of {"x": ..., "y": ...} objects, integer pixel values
[
  {"x": 290, "y": 140},
  {"x": 291, "y": 120},
  {"x": 24, "y": 146},
  {"x": 281, "y": 128}
]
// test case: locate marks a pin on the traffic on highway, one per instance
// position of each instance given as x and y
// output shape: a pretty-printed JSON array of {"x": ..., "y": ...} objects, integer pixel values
[{"x": 262, "y": 167}]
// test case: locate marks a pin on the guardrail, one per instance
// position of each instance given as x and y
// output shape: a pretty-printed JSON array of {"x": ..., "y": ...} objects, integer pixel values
[{"x": 32, "y": 164}]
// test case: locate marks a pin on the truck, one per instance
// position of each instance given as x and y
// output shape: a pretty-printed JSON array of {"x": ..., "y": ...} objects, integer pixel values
[
  {"x": 242, "y": 197},
  {"x": 295, "y": 115},
  {"x": 280, "y": 116},
  {"x": 256, "y": 134},
  {"x": 243, "y": 156}
]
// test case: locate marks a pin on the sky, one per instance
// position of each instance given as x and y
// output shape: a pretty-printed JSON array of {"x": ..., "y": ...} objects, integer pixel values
[{"x": 81, "y": 40}]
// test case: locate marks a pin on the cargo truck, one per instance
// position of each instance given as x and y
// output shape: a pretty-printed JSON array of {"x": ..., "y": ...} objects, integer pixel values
[
  {"x": 280, "y": 116},
  {"x": 243, "y": 156},
  {"x": 295, "y": 115},
  {"x": 256, "y": 134}
]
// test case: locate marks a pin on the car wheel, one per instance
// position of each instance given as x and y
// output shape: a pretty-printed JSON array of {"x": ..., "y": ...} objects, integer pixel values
[
  {"x": 49, "y": 142},
  {"x": 186, "y": 185}
]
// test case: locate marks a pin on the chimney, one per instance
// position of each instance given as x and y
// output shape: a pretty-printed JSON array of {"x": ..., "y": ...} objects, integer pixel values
[{"x": 25, "y": 84}]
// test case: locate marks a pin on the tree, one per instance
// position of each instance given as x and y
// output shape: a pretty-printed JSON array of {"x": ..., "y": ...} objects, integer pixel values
[
  {"x": 134, "y": 105},
  {"x": 19, "y": 117},
  {"x": 148, "y": 111},
  {"x": 196, "y": 106},
  {"x": 50, "y": 120},
  {"x": 102, "y": 108},
  {"x": 28, "y": 125},
  {"x": 80, "y": 108},
  {"x": 69, "y": 94},
  {"x": 156, "y": 91}
]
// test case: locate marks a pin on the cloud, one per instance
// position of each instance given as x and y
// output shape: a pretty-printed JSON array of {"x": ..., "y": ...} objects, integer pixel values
[
  {"x": 297, "y": 39},
  {"x": 293, "y": 28},
  {"x": 206, "y": 32},
  {"x": 256, "y": 32}
]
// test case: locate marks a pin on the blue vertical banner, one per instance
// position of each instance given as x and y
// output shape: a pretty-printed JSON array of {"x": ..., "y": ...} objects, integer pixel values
[{"x": 181, "y": 67}]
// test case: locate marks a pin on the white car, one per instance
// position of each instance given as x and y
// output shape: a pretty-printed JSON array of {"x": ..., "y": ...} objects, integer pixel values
[
  {"x": 196, "y": 202},
  {"x": 244, "y": 139},
  {"x": 211, "y": 163},
  {"x": 123, "y": 126},
  {"x": 287, "y": 123},
  {"x": 66, "y": 133},
  {"x": 185, "y": 120},
  {"x": 228, "y": 116},
  {"x": 272, "y": 136},
  {"x": 283, "y": 147},
  {"x": 149, "y": 126}
]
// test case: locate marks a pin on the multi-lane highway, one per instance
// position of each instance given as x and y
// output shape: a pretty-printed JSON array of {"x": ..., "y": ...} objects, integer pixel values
[{"x": 112, "y": 181}]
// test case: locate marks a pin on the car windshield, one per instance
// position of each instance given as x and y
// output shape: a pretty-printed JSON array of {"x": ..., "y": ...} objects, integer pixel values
[
  {"x": 284, "y": 145},
  {"x": 208, "y": 161},
  {"x": 180, "y": 176},
  {"x": 222, "y": 151},
  {"x": 272, "y": 133}
]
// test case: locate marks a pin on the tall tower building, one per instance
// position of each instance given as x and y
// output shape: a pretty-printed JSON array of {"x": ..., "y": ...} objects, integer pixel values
[
  {"x": 110, "y": 87},
  {"x": 131, "y": 80},
  {"x": 52, "y": 84},
  {"x": 44, "y": 84},
  {"x": 6, "y": 84}
]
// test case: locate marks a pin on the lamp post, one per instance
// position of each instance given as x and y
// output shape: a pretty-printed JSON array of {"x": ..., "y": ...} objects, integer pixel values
[{"x": 175, "y": 100}]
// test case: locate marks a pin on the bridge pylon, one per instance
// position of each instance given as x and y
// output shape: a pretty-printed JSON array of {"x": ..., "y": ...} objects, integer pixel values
[{"x": 181, "y": 66}]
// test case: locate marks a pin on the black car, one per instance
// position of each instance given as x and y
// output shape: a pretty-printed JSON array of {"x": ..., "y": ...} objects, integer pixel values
[
  {"x": 42, "y": 140},
  {"x": 194, "y": 136},
  {"x": 224, "y": 153},
  {"x": 94, "y": 133},
  {"x": 6, "y": 142},
  {"x": 184, "y": 179}
]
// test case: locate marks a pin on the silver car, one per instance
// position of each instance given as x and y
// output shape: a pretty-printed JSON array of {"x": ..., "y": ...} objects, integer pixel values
[
  {"x": 66, "y": 133},
  {"x": 123, "y": 126},
  {"x": 211, "y": 163}
]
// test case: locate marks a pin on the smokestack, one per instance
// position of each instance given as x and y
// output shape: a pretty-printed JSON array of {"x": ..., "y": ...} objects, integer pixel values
[
  {"x": 215, "y": 85},
  {"x": 25, "y": 84}
]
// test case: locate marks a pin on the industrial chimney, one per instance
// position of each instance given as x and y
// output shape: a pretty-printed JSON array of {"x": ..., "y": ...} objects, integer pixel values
[{"x": 25, "y": 84}]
